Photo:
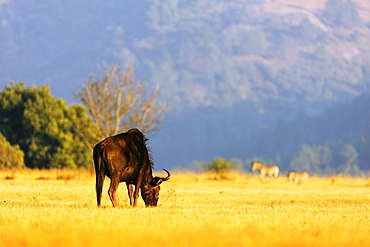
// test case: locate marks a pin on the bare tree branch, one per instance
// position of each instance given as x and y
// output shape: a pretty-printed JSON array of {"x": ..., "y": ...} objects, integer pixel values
[{"x": 118, "y": 102}]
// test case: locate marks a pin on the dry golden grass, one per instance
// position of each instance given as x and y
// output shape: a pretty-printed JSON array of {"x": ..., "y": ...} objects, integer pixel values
[{"x": 37, "y": 209}]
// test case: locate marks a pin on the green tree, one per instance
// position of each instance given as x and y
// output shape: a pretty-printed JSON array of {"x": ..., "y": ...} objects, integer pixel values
[
  {"x": 307, "y": 32},
  {"x": 315, "y": 159},
  {"x": 252, "y": 42},
  {"x": 10, "y": 156},
  {"x": 350, "y": 155},
  {"x": 342, "y": 13},
  {"x": 44, "y": 127},
  {"x": 220, "y": 166},
  {"x": 163, "y": 15}
]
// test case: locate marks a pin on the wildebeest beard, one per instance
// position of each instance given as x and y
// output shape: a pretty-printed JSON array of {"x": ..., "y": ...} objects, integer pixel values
[
  {"x": 150, "y": 191},
  {"x": 150, "y": 195}
]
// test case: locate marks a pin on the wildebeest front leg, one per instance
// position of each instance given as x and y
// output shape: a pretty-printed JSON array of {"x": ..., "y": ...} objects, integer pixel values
[
  {"x": 137, "y": 188},
  {"x": 112, "y": 191},
  {"x": 130, "y": 191}
]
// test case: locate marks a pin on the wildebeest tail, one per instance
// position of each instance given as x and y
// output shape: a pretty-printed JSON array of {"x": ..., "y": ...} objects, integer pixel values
[{"x": 99, "y": 171}]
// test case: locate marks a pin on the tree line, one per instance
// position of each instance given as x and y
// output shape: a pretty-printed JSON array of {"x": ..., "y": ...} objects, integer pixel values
[
  {"x": 336, "y": 141},
  {"x": 318, "y": 160},
  {"x": 38, "y": 130}
]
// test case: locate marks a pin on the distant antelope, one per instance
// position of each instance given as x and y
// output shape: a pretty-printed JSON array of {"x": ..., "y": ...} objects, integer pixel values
[
  {"x": 265, "y": 170},
  {"x": 298, "y": 177}
]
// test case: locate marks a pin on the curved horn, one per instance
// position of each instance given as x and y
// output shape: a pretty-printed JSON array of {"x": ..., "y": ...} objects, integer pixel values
[{"x": 168, "y": 175}]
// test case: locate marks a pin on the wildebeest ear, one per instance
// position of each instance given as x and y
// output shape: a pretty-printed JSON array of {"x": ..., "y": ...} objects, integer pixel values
[
  {"x": 159, "y": 181},
  {"x": 156, "y": 181}
]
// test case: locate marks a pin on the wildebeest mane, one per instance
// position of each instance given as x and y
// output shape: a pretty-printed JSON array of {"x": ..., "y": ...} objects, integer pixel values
[{"x": 146, "y": 140}]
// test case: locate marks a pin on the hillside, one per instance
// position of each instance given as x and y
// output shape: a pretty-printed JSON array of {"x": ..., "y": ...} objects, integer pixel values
[
  {"x": 228, "y": 69},
  {"x": 234, "y": 52},
  {"x": 200, "y": 53}
]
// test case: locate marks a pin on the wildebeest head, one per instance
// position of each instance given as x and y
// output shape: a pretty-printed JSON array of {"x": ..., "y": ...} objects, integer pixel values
[{"x": 150, "y": 192}]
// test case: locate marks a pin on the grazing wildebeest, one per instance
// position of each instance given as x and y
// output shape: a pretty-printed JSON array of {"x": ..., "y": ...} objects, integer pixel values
[
  {"x": 125, "y": 158},
  {"x": 298, "y": 177},
  {"x": 265, "y": 170}
]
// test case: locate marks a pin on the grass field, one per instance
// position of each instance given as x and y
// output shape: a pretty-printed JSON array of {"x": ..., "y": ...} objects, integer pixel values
[{"x": 58, "y": 208}]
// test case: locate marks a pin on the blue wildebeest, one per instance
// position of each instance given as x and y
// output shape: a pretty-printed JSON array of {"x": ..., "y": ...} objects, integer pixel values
[{"x": 125, "y": 158}]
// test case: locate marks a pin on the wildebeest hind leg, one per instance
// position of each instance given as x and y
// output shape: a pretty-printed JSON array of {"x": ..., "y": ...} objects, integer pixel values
[{"x": 112, "y": 191}]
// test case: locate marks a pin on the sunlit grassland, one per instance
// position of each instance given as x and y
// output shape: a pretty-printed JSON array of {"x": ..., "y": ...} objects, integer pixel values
[{"x": 58, "y": 208}]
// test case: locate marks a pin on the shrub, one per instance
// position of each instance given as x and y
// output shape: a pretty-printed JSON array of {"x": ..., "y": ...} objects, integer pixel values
[
  {"x": 10, "y": 156},
  {"x": 219, "y": 166}
]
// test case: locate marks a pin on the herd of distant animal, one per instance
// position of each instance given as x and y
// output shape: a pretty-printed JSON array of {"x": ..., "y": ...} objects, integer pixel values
[
  {"x": 125, "y": 158},
  {"x": 274, "y": 171}
]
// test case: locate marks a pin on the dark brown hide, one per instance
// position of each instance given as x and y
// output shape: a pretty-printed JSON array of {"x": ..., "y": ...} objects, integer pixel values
[{"x": 125, "y": 158}]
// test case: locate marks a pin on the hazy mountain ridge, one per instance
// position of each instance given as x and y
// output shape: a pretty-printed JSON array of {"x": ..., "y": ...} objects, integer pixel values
[
  {"x": 199, "y": 52},
  {"x": 230, "y": 70},
  {"x": 262, "y": 55}
]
